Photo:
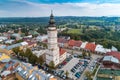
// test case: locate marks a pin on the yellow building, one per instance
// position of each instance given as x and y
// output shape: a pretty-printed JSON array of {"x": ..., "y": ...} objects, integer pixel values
[{"x": 4, "y": 57}]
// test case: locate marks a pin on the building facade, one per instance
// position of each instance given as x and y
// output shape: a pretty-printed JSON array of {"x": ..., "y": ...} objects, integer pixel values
[{"x": 53, "y": 50}]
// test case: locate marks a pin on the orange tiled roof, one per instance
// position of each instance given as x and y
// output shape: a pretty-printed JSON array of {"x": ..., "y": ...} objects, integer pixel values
[
  {"x": 53, "y": 79},
  {"x": 71, "y": 43},
  {"x": 90, "y": 46},
  {"x": 78, "y": 43},
  {"x": 74, "y": 43},
  {"x": 62, "y": 51}
]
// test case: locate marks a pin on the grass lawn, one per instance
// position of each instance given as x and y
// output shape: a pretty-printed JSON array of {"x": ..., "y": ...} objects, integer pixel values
[{"x": 74, "y": 31}]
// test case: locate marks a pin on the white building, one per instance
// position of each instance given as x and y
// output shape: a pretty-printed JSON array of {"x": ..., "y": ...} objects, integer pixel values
[
  {"x": 2, "y": 38},
  {"x": 100, "y": 49},
  {"x": 41, "y": 38},
  {"x": 83, "y": 45},
  {"x": 53, "y": 49},
  {"x": 39, "y": 53},
  {"x": 10, "y": 41}
]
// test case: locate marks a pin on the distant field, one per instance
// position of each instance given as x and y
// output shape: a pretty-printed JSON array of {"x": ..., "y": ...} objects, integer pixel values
[{"x": 74, "y": 31}]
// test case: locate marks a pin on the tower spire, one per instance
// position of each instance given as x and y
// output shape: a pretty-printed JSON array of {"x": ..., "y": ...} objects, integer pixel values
[
  {"x": 51, "y": 21},
  {"x": 51, "y": 11}
]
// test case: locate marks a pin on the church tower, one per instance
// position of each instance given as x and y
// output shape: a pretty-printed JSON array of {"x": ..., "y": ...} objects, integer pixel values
[{"x": 53, "y": 49}]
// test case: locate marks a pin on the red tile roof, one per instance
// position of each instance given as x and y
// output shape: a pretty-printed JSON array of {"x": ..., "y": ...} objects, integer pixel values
[
  {"x": 90, "y": 46},
  {"x": 78, "y": 43},
  {"x": 72, "y": 43},
  {"x": 114, "y": 54},
  {"x": 62, "y": 51}
]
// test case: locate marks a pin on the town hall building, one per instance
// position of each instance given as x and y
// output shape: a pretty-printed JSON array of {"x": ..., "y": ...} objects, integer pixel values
[{"x": 54, "y": 53}]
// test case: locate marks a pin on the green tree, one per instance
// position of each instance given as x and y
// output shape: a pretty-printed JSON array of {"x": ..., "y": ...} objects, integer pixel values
[
  {"x": 28, "y": 53},
  {"x": 18, "y": 41},
  {"x": 88, "y": 74},
  {"x": 33, "y": 59},
  {"x": 40, "y": 60},
  {"x": 16, "y": 50},
  {"x": 83, "y": 53},
  {"x": 21, "y": 53},
  {"x": 52, "y": 65},
  {"x": 16, "y": 79},
  {"x": 66, "y": 73}
]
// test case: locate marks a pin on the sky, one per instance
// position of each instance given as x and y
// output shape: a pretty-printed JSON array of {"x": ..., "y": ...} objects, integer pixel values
[{"x": 42, "y": 8}]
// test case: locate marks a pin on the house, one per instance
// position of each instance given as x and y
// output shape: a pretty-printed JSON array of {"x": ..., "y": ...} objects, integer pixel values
[
  {"x": 4, "y": 58},
  {"x": 74, "y": 44},
  {"x": 2, "y": 38},
  {"x": 16, "y": 36},
  {"x": 31, "y": 42},
  {"x": 9, "y": 69},
  {"x": 114, "y": 48},
  {"x": 83, "y": 45},
  {"x": 10, "y": 41},
  {"x": 90, "y": 47},
  {"x": 8, "y": 49},
  {"x": 110, "y": 67},
  {"x": 71, "y": 43},
  {"x": 41, "y": 38},
  {"x": 100, "y": 49},
  {"x": 63, "y": 42},
  {"x": 27, "y": 71},
  {"x": 24, "y": 44},
  {"x": 62, "y": 54},
  {"x": 40, "y": 53},
  {"x": 114, "y": 53},
  {"x": 33, "y": 32},
  {"x": 77, "y": 44}
]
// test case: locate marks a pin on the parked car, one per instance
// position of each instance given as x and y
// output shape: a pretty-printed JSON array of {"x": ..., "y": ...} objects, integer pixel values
[{"x": 77, "y": 75}]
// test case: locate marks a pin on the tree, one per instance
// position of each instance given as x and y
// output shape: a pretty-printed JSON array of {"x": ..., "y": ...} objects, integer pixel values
[
  {"x": 16, "y": 79},
  {"x": 21, "y": 53},
  {"x": 72, "y": 52},
  {"x": 88, "y": 74},
  {"x": 32, "y": 59},
  {"x": 40, "y": 60},
  {"x": 18, "y": 41},
  {"x": 28, "y": 52},
  {"x": 16, "y": 50},
  {"x": 66, "y": 73},
  {"x": 52, "y": 65},
  {"x": 83, "y": 53}
]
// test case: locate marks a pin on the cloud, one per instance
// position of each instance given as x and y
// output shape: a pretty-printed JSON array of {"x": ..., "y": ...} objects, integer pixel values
[{"x": 25, "y": 8}]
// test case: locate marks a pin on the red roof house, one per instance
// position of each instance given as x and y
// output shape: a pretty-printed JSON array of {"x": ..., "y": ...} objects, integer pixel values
[
  {"x": 90, "y": 46},
  {"x": 73, "y": 43},
  {"x": 62, "y": 51},
  {"x": 77, "y": 43},
  {"x": 114, "y": 54}
]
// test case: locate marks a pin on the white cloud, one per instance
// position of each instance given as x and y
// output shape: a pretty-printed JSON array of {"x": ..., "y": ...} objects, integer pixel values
[{"x": 31, "y": 9}]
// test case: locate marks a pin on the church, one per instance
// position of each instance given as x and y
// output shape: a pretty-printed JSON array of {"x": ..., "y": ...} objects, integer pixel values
[{"x": 54, "y": 53}]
